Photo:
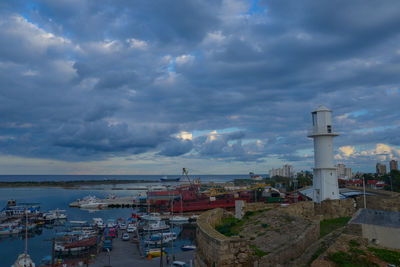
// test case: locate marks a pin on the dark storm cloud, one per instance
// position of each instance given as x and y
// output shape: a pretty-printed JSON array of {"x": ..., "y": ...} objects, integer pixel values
[{"x": 83, "y": 80}]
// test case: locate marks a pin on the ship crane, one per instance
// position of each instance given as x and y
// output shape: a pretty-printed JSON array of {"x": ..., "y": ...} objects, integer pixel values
[{"x": 186, "y": 173}]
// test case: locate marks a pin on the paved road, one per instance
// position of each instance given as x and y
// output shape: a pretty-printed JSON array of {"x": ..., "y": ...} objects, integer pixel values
[{"x": 126, "y": 254}]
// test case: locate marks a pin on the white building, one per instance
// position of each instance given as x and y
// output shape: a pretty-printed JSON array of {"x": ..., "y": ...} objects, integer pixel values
[
  {"x": 285, "y": 171},
  {"x": 343, "y": 172},
  {"x": 325, "y": 182}
]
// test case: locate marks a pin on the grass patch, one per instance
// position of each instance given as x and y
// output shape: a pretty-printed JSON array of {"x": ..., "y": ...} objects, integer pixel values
[
  {"x": 328, "y": 226},
  {"x": 389, "y": 256},
  {"x": 260, "y": 253},
  {"x": 343, "y": 259},
  {"x": 232, "y": 226},
  {"x": 229, "y": 226}
]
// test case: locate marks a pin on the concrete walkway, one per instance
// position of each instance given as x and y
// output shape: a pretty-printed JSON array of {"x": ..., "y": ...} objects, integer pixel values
[{"x": 126, "y": 254}]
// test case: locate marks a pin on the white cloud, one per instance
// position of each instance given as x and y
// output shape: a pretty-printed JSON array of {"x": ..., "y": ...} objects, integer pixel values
[
  {"x": 215, "y": 37},
  {"x": 347, "y": 151},
  {"x": 184, "y": 60},
  {"x": 137, "y": 44},
  {"x": 185, "y": 135}
]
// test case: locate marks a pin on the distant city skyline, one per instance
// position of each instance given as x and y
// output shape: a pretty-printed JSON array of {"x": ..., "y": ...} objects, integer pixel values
[{"x": 218, "y": 87}]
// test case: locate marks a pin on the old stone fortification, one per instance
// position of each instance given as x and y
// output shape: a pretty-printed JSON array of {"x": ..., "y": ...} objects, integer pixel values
[
  {"x": 327, "y": 209},
  {"x": 215, "y": 249},
  {"x": 293, "y": 249}
]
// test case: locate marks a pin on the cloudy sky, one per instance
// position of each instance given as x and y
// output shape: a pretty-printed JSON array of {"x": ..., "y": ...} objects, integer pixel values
[{"x": 149, "y": 87}]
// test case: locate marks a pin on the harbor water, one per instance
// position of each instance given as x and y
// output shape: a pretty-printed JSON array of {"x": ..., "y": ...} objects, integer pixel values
[{"x": 39, "y": 242}]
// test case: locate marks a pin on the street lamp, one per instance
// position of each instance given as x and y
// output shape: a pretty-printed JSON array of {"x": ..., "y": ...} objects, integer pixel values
[{"x": 109, "y": 258}]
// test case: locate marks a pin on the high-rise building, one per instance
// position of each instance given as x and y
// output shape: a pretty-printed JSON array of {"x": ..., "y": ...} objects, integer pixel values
[
  {"x": 380, "y": 169},
  {"x": 325, "y": 182},
  {"x": 343, "y": 172},
  {"x": 393, "y": 165},
  {"x": 285, "y": 171}
]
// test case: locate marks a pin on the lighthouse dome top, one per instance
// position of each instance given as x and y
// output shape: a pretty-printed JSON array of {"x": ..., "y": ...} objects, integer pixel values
[{"x": 322, "y": 108}]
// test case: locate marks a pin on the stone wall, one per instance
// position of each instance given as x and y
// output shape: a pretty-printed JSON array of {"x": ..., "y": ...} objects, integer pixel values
[
  {"x": 258, "y": 206},
  {"x": 292, "y": 250},
  {"x": 330, "y": 209},
  {"x": 327, "y": 209},
  {"x": 303, "y": 209},
  {"x": 215, "y": 249},
  {"x": 382, "y": 202}
]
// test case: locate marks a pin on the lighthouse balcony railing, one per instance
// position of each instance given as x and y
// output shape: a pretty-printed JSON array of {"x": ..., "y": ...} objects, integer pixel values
[{"x": 328, "y": 130}]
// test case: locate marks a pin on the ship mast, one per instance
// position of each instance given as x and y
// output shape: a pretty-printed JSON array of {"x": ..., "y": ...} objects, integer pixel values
[{"x": 26, "y": 235}]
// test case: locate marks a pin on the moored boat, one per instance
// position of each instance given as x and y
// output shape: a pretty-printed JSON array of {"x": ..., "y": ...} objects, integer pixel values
[
  {"x": 23, "y": 260},
  {"x": 178, "y": 219}
]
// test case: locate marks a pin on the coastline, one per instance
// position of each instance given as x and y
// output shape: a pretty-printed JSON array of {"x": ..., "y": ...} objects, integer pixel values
[{"x": 71, "y": 184}]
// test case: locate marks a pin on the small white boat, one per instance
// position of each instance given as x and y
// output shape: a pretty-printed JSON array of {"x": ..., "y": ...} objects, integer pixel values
[
  {"x": 151, "y": 217},
  {"x": 23, "y": 260},
  {"x": 156, "y": 226},
  {"x": 178, "y": 219},
  {"x": 91, "y": 202},
  {"x": 58, "y": 214}
]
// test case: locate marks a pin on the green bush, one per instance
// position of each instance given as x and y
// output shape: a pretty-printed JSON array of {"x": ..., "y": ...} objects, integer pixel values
[
  {"x": 343, "y": 259},
  {"x": 389, "y": 256}
]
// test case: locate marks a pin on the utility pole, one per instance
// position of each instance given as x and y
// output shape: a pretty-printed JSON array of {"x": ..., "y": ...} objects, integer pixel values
[
  {"x": 391, "y": 184},
  {"x": 161, "y": 256},
  {"x": 365, "y": 200},
  {"x": 53, "y": 245}
]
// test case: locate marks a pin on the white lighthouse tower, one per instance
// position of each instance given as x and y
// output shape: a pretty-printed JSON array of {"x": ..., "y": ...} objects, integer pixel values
[{"x": 325, "y": 181}]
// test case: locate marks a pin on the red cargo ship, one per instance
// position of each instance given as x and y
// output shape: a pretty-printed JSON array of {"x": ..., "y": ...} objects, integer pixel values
[{"x": 188, "y": 198}]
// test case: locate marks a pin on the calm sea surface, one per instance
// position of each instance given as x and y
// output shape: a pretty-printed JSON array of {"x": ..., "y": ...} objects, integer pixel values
[
  {"x": 25, "y": 178},
  {"x": 39, "y": 245}
]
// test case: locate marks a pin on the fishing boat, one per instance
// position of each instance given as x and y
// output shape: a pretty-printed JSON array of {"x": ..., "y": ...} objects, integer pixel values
[
  {"x": 166, "y": 179},
  {"x": 77, "y": 245},
  {"x": 12, "y": 210}
]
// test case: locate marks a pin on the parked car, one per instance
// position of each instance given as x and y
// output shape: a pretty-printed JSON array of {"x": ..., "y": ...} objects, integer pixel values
[
  {"x": 179, "y": 264},
  {"x": 122, "y": 226},
  {"x": 125, "y": 237},
  {"x": 131, "y": 229}
]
